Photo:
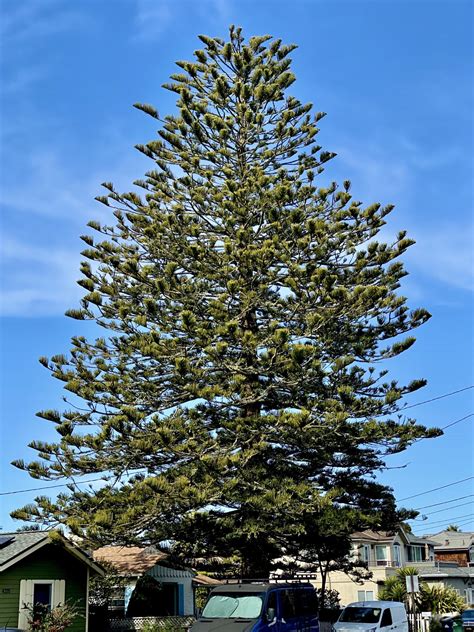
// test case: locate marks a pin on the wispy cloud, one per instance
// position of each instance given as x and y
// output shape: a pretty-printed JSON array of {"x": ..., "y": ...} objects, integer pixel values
[
  {"x": 154, "y": 17},
  {"x": 23, "y": 80},
  {"x": 47, "y": 188},
  {"x": 54, "y": 187},
  {"x": 446, "y": 253},
  {"x": 39, "y": 280},
  {"x": 219, "y": 10},
  {"x": 35, "y": 20}
]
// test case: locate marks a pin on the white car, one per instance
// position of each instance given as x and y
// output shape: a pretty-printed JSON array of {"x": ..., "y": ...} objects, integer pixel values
[{"x": 373, "y": 616}]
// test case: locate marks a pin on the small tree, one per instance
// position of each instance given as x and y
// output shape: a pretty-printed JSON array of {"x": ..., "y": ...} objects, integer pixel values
[
  {"x": 103, "y": 588},
  {"x": 245, "y": 309},
  {"x": 43, "y": 619},
  {"x": 435, "y": 599}
]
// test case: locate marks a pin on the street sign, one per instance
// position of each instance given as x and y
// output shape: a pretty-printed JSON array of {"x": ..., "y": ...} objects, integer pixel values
[{"x": 412, "y": 583}]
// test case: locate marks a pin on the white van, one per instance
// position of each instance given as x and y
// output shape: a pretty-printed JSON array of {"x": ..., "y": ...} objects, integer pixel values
[{"x": 373, "y": 616}]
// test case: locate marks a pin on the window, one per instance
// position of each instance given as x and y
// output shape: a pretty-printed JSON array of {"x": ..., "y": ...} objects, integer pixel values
[
  {"x": 365, "y": 595},
  {"x": 271, "y": 607},
  {"x": 48, "y": 593},
  {"x": 386, "y": 618},
  {"x": 381, "y": 555},
  {"x": 42, "y": 594},
  {"x": 42, "y": 598},
  {"x": 306, "y": 603},
  {"x": 365, "y": 552},
  {"x": 288, "y": 604},
  {"x": 360, "y": 615},
  {"x": 233, "y": 606},
  {"x": 416, "y": 553},
  {"x": 397, "y": 555}
]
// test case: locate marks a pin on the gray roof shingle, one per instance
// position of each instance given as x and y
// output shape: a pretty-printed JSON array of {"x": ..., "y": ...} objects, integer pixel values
[{"x": 21, "y": 542}]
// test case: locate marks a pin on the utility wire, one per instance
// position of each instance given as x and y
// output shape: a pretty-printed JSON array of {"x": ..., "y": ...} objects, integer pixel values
[
  {"x": 458, "y": 524},
  {"x": 434, "y": 399},
  {"x": 445, "y": 502},
  {"x": 431, "y": 513},
  {"x": 34, "y": 489},
  {"x": 452, "y": 423},
  {"x": 435, "y": 489},
  {"x": 457, "y": 421},
  {"x": 427, "y": 401},
  {"x": 448, "y": 520}
]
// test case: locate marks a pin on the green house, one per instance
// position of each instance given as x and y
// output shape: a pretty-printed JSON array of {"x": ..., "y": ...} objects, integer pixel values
[{"x": 42, "y": 567}]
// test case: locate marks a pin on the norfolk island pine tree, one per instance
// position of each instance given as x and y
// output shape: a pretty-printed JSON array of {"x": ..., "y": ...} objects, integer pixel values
[{"x": 236, "y": 399}]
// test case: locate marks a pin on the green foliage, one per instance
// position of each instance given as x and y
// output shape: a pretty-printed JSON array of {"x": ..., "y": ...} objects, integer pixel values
[
  {"x": 435, "y": 625},
  {"x": 42, "y": 619},
  {"x": 145, "y": 597},
  {"x": 329, "y": 600},
  {"x": 102, "y": 588},
  {"x": 234, "y": 398},
  {"x": 434, "y": 599},
  {"x": 441, "y": 599},
  {"x": 162, "y": 626}
]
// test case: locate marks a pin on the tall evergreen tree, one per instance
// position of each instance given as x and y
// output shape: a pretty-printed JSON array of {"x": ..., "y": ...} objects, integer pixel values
[{"x": 235, "y": 393}]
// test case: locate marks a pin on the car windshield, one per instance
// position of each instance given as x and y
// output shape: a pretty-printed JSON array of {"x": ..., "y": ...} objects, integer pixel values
[
  {"x": 467, "y": 615},
  {"x": 233, "y": 606},
  {"x": 360, "y": 615}
]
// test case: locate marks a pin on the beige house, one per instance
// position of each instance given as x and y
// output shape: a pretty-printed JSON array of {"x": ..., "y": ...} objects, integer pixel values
[{"x": 384, "y": 553}]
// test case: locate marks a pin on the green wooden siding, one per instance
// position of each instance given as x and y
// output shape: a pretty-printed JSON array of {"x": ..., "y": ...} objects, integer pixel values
[{"x": 50, "y": 562}]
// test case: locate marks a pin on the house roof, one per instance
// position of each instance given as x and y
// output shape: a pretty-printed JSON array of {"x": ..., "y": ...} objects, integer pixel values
[
  {"x": 374, "y": 536},
  {"x": 453, "y": 540},
  {"x": 129, "y": 560},
  {"x": 388, "y": 536},
  {"x": 435, "y": 571},
  {"x": 205, "y": 580},
  {"x": 18, "y": 545},
  {"x": 413, "y": 539}
]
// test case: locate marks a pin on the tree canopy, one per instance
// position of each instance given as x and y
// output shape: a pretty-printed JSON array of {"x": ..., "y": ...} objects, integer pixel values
[{"x": 239, "y": 389}]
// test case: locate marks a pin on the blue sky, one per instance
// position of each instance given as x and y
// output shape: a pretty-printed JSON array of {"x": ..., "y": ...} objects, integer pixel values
[{"x": 396, "y": 80}]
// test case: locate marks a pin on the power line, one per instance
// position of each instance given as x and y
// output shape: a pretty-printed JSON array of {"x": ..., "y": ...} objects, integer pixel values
[
  {"x": 434, "y": 399},
  {"x": 445, "y": 502},
  {"x": 457, "y": 421},
  {"x": 458, "y": 524},
  {"x": 448, "y": 520},
  {"x": 34, "y": 489},
  {"x": 431, "y": 513},
  {"x": 452, "y": 423},
  {"x": 435, "y": 489}
]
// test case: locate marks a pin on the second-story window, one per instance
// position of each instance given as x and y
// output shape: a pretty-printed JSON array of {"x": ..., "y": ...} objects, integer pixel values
[
  {"x": 397, "y": 555},
  {"x": 381, "y": 555},
  {"x": 416, "y": 554},
  {"x": 365, "y": 553}
]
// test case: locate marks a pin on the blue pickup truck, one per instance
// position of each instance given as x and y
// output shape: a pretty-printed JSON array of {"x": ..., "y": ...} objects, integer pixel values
[{"x": 468, "y": 621}]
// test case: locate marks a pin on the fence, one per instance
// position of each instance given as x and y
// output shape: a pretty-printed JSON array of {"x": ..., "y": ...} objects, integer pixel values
[
  {"x": 417, "y": 623},
  {"x": 169, "y": 624}
]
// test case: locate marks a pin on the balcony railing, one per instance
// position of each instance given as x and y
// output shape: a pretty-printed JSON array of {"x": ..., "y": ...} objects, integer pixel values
[{"x": 384, "y": 563}]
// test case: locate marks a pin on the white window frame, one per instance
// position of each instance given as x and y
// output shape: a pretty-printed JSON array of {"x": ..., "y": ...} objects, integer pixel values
[
  {"x": 381, "y": 561},
  {"x": 48, "y": 582},
  {"x": 27, "y": 590},
  {"x": 367, "y": 595}
]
